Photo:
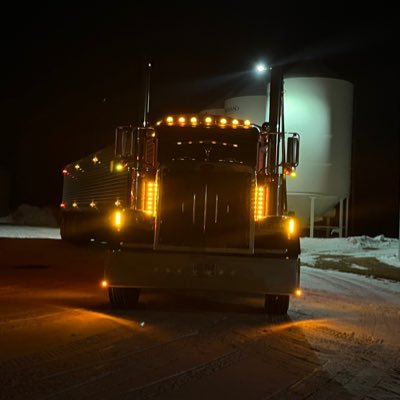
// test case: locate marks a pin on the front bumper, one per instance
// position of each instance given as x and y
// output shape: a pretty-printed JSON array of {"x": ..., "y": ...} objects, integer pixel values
[{"x": 202, "y": 271}]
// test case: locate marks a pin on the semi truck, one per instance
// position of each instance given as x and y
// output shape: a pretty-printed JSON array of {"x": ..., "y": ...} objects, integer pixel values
[{"x": 194, "y": 202}]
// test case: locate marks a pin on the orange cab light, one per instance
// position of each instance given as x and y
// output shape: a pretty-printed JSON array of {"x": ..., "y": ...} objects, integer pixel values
[
  {"x": 118, "y": 219},
  {"x": 104, "y": 283},
  {"x": 182, "y": 120},
  {"x": 298, "y": 292},
  {"x": 291, "y": 226},
  {"x": 208, "y": 120},
  {"x": 260, "y": 203}
]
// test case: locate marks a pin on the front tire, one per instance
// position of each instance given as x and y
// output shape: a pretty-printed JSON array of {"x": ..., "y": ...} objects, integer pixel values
[
  {"x": 276, "y": 304},
  {"x": 124, "y": 298}
]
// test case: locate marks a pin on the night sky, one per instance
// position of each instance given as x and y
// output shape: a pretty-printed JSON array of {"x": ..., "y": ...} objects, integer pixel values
[{"x": 72, "y": 73}]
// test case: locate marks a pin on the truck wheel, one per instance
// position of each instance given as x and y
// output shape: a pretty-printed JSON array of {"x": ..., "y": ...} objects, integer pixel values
[
  {"x": 276, "y": 304},
  {"x": 123, "y": 297}
]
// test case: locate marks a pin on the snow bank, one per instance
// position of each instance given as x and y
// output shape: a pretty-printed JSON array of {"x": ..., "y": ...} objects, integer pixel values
[
  {"x": 382, "y": 248},
  {"x": 32, "y": 216},
  {"x": 29, "y": 232}
]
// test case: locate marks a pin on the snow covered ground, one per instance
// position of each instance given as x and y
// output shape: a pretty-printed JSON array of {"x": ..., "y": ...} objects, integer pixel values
[{"x": 380, "y": 247}]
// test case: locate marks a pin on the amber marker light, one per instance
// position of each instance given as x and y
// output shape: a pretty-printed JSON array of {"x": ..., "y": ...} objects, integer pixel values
[
  {"x": 151, "y": 198},
  {"x": 260, "y": 201},
  {"x": 182, "y": 120},
  {"x": 298, "y": 292},
  {"x": 119, "y": 167},
  {"x": 193, "y": 121},
  {"x": 118, "y": 219},
  {"x": 223, "y": 121},
  {"x": 104, "y": 284},
  {"x": 235, "y": 123},
  {"x": 208, "y": 120},
  {"x": 292, "y": 226},
  {"x": 247, "y": 123},
  {"x": 170, "y": 120}
]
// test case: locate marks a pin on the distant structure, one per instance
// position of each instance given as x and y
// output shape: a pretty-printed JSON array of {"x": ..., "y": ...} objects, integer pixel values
[
  {"x": 4, "y": 192},
  {"x": 320, "y": 109}
]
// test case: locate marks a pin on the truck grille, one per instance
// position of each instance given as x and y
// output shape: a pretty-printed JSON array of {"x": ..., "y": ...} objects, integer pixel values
[{"x": 205, "y": 206}]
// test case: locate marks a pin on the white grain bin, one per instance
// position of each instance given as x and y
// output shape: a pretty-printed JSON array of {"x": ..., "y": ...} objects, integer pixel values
[{"x": 320, "y": 110}]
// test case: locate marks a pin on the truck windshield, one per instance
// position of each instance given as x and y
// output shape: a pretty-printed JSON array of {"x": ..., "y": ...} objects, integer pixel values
[{"x": 207, "y": 144}]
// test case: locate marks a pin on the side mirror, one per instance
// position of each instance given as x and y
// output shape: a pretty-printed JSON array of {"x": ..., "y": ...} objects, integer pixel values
[
  {"x": 293, "y": 148},
  {"x": 124, "y": 141}
]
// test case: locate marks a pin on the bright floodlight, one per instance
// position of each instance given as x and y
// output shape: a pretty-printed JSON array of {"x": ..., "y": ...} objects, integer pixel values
[{"x": 261, "y": 68}]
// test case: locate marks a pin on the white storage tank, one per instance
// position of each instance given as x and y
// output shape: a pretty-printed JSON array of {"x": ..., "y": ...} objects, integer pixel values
[{"x": 320, "y": 109}]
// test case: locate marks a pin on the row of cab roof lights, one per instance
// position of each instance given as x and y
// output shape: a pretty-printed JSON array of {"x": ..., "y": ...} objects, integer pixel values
[
  {"x": 92, "y": 204},
  {"x": 183, "y": 120}
]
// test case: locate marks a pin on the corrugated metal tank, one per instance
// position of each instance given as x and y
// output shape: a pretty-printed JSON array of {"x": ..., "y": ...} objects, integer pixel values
[{"x": 320, "y": 109}]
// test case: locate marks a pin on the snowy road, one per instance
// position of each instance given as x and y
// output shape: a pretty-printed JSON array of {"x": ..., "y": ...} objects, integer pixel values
[{"x": 60, "y": 340}]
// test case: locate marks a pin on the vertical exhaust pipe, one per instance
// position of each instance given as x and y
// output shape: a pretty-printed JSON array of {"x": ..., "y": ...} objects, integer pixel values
[
  {"x": 275, "y": 122},
  {"x": 146, "y": 108}
]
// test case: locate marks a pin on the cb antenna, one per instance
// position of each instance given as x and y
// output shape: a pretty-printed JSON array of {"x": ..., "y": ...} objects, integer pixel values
[{"x": 146, "y": 94}]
